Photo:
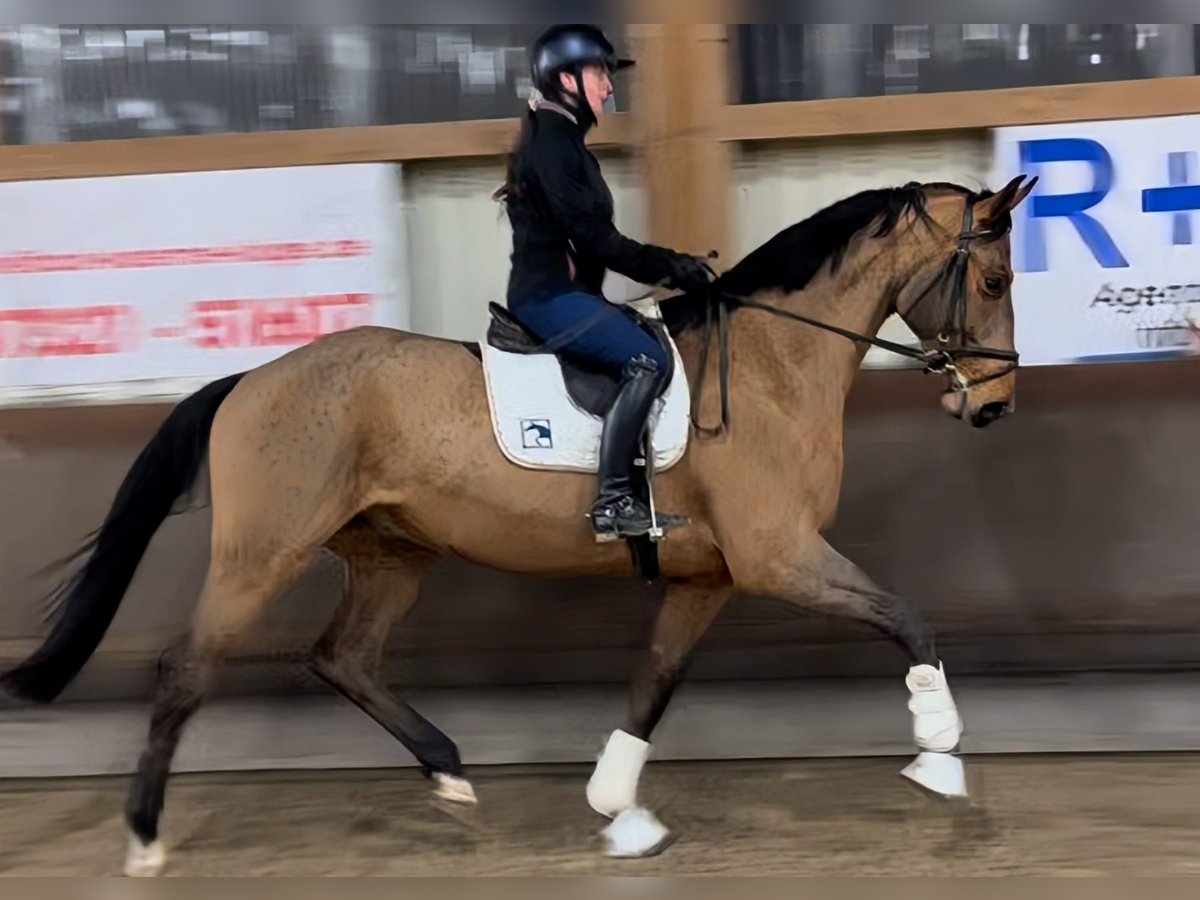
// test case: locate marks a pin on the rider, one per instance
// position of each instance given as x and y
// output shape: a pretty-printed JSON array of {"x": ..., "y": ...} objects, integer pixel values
[{"x": 564, "y": 240}]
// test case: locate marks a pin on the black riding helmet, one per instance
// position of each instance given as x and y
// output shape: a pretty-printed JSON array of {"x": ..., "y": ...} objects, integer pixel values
[{"x": 568, "y": 48}]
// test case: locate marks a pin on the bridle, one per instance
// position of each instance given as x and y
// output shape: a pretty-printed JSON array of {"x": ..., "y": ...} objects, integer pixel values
[{"x": 953, "y": 343}]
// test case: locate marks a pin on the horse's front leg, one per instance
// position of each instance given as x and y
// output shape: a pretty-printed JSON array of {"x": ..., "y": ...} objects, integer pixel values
[
  {"x": 687, "y": 611},
  {"x": 823, "y": 581}
]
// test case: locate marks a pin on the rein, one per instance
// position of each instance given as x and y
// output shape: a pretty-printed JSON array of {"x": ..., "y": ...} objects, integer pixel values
[{"x": 939, "y": 360}]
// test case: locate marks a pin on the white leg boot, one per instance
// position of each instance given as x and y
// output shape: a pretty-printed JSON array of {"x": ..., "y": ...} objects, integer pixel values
[
  {"x": 936, "y": 723},
  {"x": 612, "y": 792},
  {"x": 613, "y": 785},
  {"x": 937, "y": 730}
]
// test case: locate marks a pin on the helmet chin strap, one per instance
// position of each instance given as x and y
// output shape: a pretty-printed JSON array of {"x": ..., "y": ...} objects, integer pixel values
[
  {"x": 576, "y": 104},
  {"x": 583, "y": 109}
]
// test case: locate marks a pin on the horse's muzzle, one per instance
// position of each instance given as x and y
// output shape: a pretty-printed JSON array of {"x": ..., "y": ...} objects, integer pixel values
[{"x": 955, "y": 403}]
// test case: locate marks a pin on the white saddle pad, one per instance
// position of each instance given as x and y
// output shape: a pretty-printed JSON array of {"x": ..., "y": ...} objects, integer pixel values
[{"x": 538, "y": 425}]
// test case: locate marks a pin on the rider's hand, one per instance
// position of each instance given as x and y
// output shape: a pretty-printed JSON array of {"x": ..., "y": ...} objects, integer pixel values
[{"x": 691, "y": 273}]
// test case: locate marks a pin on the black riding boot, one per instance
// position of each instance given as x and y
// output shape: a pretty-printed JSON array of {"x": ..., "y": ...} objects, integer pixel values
[{"x": 617, "y": 512}]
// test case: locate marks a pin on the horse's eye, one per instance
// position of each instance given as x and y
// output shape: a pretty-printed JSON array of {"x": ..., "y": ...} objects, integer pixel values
[{"x": 994, "y": 286}]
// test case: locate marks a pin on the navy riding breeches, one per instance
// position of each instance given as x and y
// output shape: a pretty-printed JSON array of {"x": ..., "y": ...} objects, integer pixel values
[{"x": 588, "y": 329}]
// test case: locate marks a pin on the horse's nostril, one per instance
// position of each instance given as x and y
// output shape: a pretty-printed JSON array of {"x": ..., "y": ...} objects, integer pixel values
[{"x": 989, "y": 413}]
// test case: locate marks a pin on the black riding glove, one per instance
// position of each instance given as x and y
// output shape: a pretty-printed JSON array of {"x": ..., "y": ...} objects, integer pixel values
[{"x": 690, "y": 273}]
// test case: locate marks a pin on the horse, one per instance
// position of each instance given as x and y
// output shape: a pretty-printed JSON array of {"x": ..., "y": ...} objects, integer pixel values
[{"x": 376, "y": 444}]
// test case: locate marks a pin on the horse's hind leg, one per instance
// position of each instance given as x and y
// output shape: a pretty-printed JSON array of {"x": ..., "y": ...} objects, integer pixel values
[
  {"x": 182, "y": 680},
  {"x": 235, "y": 593},
  {"x": 381, "y": 586}
]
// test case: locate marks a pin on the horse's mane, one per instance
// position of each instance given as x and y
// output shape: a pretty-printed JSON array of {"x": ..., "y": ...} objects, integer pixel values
[{"x": 791, "y": 259}]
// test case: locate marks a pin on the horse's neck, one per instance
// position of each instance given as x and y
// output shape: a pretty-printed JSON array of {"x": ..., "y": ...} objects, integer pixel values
[
  {"x": 794, "y": 360},
  {"x": 788, "y": 387}
]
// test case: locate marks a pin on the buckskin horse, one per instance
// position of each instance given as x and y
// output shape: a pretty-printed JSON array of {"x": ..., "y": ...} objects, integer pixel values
[{"x": 376, "y": 444}]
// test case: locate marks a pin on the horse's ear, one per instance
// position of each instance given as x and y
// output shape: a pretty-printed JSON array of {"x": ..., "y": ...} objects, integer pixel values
[
  {"x": 1022, "y": 192},
  {"x": 1004, "y": 201}
]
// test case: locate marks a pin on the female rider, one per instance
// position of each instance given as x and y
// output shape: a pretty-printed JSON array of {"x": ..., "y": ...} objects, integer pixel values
[{"x": 564, "y": 240}]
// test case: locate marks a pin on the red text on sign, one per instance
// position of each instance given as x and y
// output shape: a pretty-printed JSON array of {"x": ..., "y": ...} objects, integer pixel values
[
  {"x": 80, "y": 331},
  {"x": 290, "y": 321},
  {"x": 209, "y": 325}
]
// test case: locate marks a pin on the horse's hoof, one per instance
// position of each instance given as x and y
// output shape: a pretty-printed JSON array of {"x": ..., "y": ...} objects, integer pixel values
[
  {"x": 454, "y": 789},
  {"x": 636, "y": 833},
  {"x": 939, "y": 773},
  {"x": 145, "y": 860}
]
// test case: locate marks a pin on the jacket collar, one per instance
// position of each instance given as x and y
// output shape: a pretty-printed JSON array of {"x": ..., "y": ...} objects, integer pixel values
[{"x": 537, "y": 102}]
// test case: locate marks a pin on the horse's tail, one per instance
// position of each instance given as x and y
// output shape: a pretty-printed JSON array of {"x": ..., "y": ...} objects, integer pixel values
[{"x": 86, "y": 603}]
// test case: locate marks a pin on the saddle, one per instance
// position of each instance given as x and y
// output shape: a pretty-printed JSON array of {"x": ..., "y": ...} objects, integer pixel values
[
  {"x": 590, "y": 390},
  {"x": 547, "y": 411}
]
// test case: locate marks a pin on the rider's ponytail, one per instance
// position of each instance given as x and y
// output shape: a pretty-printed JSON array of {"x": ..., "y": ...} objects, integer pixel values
[{"x": 518, "y": 162}]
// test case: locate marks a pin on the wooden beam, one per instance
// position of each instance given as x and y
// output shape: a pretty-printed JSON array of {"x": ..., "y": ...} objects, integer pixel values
[
  {"x": 962, "y": 110},
  {"x": 380, "y": 143},
  {"x": 680, "y": 92},
  {"x": 680, "y": 88}
]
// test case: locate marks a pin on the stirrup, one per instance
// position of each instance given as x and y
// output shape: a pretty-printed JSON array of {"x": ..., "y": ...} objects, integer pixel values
[
  {"x": 664, "y": 524},
  {"x": 657, "y": 528}
]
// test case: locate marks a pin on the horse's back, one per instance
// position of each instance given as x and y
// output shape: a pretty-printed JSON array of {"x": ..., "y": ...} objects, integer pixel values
[{"x": 347, "y": 362}]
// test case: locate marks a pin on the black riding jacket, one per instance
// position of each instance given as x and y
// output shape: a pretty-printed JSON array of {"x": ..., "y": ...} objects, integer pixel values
[{"x": 560, "y": 208}]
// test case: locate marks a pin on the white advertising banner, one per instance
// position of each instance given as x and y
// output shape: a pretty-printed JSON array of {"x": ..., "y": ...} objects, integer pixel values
[
  {"x": 1106, "y": 250},
  {"x": 117, "y": 281}
]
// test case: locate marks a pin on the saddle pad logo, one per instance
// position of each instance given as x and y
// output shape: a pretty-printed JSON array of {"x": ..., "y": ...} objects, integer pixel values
[{"x": 536, "y": 434}]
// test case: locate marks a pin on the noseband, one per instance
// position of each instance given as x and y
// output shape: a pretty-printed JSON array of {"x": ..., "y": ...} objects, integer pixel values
[{"x": 953, "y": 342}]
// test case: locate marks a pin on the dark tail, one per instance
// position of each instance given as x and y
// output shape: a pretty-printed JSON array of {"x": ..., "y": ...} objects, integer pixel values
[{"x": 88, "y": 600}]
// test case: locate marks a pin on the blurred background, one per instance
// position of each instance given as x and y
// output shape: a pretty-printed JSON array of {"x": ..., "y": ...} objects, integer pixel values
[
  {"x": 93, "y": 82},
  {"x": 134, "y": 160}
]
